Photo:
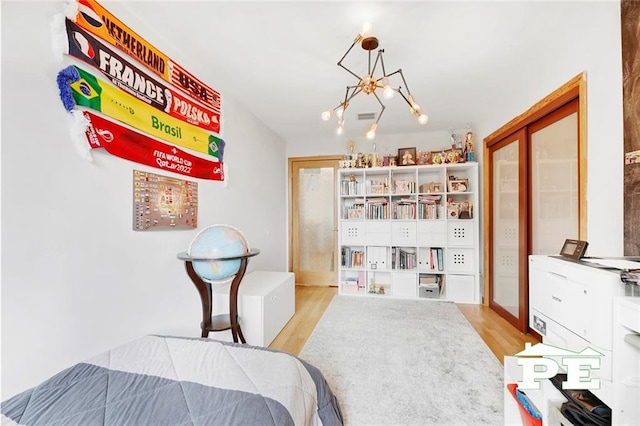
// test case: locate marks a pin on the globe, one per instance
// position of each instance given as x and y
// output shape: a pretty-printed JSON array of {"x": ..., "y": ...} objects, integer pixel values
[{"x": 217, "y": 241}]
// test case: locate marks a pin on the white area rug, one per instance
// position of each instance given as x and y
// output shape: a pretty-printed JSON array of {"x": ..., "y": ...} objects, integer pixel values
[{"x": 406, "y": 362}]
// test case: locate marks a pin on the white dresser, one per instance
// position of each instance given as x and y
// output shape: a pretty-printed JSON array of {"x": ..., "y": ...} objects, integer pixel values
[
  {"x": 576, "y": 305},
  {"x": 266, "y": 302}
]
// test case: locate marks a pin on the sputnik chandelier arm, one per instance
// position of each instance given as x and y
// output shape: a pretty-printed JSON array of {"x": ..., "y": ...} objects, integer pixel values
[{"x": 369, "y": 84}]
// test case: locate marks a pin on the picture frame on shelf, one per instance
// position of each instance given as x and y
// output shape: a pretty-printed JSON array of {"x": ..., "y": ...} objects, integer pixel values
[
  {"x": 435, "y": 187},
  {"x": 465, "y": 210},
  {"x": 407, "y": 156},
  {"x": 458, "y": 185}
]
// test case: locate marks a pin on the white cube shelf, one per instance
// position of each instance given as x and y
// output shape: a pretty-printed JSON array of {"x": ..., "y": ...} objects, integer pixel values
[{"x": 409, "y": 225}]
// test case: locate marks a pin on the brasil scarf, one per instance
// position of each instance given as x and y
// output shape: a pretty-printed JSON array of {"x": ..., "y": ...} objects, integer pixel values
[
  {"x": 97, "y": 20},
  {"x": 129, "y": 78},
  {"x": 78, "y": 87},
  {"x": 130, "y": 145}
]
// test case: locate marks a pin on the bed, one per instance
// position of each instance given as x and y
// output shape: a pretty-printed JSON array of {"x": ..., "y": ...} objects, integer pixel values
[{"x": 164, "y": 380}]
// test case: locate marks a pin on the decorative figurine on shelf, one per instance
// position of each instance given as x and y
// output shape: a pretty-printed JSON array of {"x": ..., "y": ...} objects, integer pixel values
[
  {"x": 468, "y": 146},
  {"x": 424, "y": 157},
  {"x": 437, "y": 159}
]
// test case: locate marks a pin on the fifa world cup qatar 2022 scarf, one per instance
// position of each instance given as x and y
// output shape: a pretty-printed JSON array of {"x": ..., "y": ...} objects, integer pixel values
[
  {"x": 78, "y": 87},
  {"x": 94, "y": 18},
  {"x": 128, "y": 77},
  {"x": 130, "y": 145}
]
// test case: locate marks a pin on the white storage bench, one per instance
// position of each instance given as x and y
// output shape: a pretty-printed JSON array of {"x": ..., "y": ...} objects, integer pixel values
[{"x": 266, "y": 302}]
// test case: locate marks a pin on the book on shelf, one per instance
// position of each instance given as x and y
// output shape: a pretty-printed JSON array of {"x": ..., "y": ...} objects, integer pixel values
[
  {"x": 378, "y": 200},
  {"x": 436, "y": 259},
  {"x": 429, "y": 199}
]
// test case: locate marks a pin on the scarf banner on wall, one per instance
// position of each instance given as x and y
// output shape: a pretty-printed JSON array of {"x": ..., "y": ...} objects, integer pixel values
[
  {"x": 97, "y": 20},
  {"x": 80, "y": 87},
  {"x": 129, "y": 78},
  {"x": 130, "y": 145}
]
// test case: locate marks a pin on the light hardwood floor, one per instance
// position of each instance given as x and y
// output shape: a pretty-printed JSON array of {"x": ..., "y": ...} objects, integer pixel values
[{"x": 311, "y": 302}]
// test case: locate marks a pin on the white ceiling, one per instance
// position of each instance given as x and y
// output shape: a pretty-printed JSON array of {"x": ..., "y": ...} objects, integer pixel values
[{"x": 279, "y": 59}]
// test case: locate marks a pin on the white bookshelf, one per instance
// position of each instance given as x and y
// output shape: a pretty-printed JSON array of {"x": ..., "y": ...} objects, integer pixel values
[{"x": 407, "y": 231}]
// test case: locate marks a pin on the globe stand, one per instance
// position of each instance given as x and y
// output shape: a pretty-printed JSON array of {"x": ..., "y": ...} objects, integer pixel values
[{"x": 218, "y": 322}]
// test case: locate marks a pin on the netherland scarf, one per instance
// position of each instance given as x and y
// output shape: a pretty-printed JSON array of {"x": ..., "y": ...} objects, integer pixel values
[{"x": 94, "y": 18}]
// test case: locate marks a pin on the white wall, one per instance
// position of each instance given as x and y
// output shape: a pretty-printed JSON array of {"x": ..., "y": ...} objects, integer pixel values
[
  {"x": 560, "y": 40},
  {"x": 76, "y": 280}
]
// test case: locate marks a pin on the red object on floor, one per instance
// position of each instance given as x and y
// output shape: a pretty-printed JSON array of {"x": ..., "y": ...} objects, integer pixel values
[{"x": 527, "y": 419}]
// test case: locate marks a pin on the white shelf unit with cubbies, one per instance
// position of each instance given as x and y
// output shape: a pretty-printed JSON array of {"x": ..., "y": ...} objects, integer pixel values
[{"x": 410, "y": 232}]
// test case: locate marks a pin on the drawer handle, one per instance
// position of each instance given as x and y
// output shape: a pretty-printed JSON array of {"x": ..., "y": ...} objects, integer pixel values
[
  {"x": 633, "y": 339},
  {"x": 273, "y": 297},
  {"x": 557, "y": 275},
  {"x": 557, "y": 299}
]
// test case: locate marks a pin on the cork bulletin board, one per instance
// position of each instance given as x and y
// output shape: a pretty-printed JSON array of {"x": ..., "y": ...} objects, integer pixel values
[{"x": 630, "y": 24}]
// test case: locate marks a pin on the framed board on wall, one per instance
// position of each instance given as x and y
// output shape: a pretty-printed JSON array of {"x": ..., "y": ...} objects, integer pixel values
[{"x": 163, "y": 203}]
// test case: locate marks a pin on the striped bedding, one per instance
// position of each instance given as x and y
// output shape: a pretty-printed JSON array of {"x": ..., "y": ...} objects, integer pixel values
[{"x": 162, "y": 380}]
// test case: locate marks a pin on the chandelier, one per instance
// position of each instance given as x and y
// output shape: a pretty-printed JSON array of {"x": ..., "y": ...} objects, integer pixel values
[{"x": 369, "y": 85}]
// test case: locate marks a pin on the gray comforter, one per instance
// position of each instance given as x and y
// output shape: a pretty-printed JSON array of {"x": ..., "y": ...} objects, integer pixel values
[{"x": 159, "y": 380}]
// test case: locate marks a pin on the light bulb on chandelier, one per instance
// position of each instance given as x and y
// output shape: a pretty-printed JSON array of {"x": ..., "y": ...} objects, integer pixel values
[
  {"x": 369, "y": 84},
  {"x": 371, "y": 134}
]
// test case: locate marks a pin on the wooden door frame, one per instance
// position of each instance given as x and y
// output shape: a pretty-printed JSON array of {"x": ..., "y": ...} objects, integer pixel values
[
  {"x": 574, "y": 88},
  {"x": 293, "y": 208}
]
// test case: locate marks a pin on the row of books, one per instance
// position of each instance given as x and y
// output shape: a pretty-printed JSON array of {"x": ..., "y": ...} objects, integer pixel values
[
  {"x": 352, "y": 258},
  {"x": 403, "y": 258},
  {"x": 404, "y": 210},
  {"x": 350, "y": 187},
  {"x": 377, "y": 211},
  {"x": 435, "y": 260},
  {"x": 429, "y": 211}
]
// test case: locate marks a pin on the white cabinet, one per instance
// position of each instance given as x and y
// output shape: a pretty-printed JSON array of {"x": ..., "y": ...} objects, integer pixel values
[
  {"x": 266, "y": 302},
  {"x": 578, "y": 304},
  {"x": 407, "y": 230}
]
